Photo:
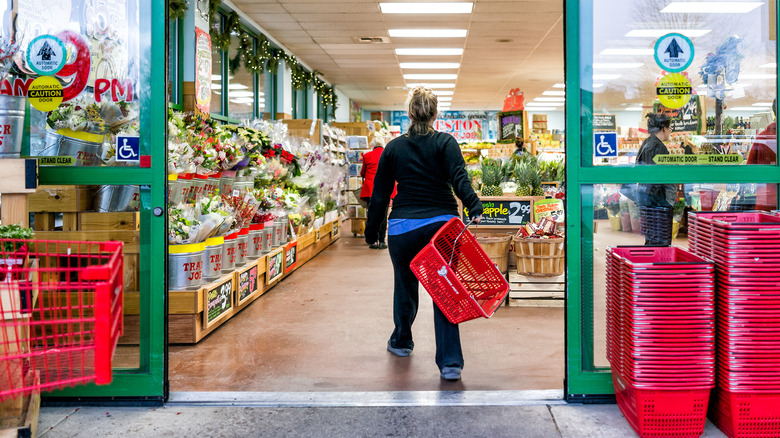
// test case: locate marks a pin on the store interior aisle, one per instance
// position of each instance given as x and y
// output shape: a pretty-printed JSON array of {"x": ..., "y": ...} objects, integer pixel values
[{"x": 325, "y": 328}]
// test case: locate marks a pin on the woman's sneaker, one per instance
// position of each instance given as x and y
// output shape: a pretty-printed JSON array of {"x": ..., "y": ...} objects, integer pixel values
[
  {"x": 451, "y": 373},
  {"x": 401, "y": 352}
]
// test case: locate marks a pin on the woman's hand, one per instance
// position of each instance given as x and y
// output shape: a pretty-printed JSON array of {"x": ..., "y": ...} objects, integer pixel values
[{"x": 476, "y": 219}]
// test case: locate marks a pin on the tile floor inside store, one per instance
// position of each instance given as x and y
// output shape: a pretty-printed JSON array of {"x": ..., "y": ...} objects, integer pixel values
[{"x": 325, "y": 328}]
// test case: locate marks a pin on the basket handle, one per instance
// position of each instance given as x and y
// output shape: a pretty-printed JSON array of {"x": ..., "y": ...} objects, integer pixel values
[{"x": 466, "y": 227}]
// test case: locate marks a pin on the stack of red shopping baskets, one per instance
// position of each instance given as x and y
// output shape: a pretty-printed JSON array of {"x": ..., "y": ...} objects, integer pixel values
[
  {"x": 661, "y": 338},
  {"x": 746, "y": 251}
]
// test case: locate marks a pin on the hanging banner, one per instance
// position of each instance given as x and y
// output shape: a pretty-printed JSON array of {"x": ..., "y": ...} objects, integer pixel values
[
  {"x": 202, "y": 71},
  {"x": 465, "y": 126}
]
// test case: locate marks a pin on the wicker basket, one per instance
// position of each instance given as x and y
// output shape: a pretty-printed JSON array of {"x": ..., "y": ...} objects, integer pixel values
[{"x": 539, "y": 257}]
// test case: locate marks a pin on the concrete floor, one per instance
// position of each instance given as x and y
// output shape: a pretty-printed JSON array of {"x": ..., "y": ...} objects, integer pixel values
[{"x": 325, "y": 328}]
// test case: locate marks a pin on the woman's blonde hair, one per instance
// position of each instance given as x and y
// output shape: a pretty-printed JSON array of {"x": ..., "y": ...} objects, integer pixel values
[{"x": 422, "y": 105}]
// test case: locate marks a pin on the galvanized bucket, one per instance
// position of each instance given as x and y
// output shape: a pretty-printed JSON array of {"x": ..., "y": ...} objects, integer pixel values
[
  {"x": 229, "y": 253},
  {"x": 118, "y": 198},
  {"x": 185, "y": 266},
  {"x": 242, "y": 247},
  {"x": 212, "y": 259},
  {"x": 256, "y": 237},
  {"x": 268, "y": 232},
  {"x": 276, "y": 235},
  {"x": 185, "y": 186},
  {"x": 240, "y": 188},
  {"x": 174, "y": 190},
  {"x": 12, "y": 125},
  {"x": 199, "y": 186},
  {"x": 280, "y": 224},
  {"x": 86, "y": 153},
  {"x": 214, "y": 183}
]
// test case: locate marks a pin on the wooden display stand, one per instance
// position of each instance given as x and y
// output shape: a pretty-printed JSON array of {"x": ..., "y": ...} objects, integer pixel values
[
  {"x": 188, "y": 318},
  {"x": 528, "y": 291}
]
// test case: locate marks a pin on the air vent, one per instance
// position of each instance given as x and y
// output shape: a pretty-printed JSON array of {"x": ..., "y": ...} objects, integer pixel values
[{"x": 372, "y": 40}]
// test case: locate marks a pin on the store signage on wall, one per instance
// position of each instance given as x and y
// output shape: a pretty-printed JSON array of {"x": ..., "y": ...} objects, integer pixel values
[
  {"x": 202, "y": 71},
  {"x": 511, "y": 125},
  {"x": 674, "y": 52},
  {"x": 688, "y": 118},
  {"x": 674, "y": 90},
  {"x": 219, "y": 301},
  {"x": 605, "y": 144},
  {"x": 503, "y": 212},
  {"x": 247, "y": 283},
  {"x": 709, "y": 159},
  {"x": 46, "y": 55},
  {"x": 45, "y": 93},
  {"x": 604, "y": 122},
  {"x": 463, "y": 125}
]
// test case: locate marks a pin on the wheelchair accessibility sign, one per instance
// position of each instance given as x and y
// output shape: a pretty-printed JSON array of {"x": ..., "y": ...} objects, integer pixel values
[
  {"x": 128, "y": 148},
  {"x": 605, "y": 144}
]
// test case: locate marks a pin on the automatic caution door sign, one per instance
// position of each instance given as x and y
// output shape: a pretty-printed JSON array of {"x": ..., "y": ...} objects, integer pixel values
[
  {"x": 674, "y": 52},
  {"x": 674, "y": 90},
  {"x": 45, "y": 93}
]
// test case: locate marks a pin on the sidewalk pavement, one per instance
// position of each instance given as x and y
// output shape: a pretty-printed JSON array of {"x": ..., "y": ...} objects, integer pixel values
[{"x": 530, "y": 421}]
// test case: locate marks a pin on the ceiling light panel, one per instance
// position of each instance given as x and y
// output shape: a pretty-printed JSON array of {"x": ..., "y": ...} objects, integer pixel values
[
  {"x": 710, "y": 7},
  {"x": 427, "y": 33},
  {"x": 429, "y": 52},
  {"x": 445, "y": 99},
  {"x": 430, "y": 65},
  {"x": 542, "y": 108},
  {"x": 559, "y": 85},
  {"x": 536, "y": 104},
  {"x": 426, "y": 8},
  {"x": 432, "y": 86},
  {"x": 550, "y": 99},
  {"x": 444, "y": 93},
  {"x": 554, "y": 93},
  {"x": 656, "y": 33},
  {"x": 431, "y": 77}
]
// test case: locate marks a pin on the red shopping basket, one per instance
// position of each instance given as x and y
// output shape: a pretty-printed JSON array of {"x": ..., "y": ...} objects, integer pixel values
[
  {"x": 60, "y": 313},
  {"x": 459, "y": 276}
]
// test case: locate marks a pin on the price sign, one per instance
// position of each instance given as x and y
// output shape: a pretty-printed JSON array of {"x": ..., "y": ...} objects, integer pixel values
[
  {"x": 219, "y": 302},
  {"x": 504, "y": 212},
  {"x": 247, "y": 284}
]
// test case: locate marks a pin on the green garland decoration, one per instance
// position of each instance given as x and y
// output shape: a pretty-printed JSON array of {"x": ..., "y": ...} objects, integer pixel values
[{"x": 177, "y": 9}]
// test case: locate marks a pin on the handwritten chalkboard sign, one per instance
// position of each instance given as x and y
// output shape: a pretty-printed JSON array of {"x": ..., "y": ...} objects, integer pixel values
[
  {"x": 275, "y": 265},
  {"x": 686, "y": 119},
  {"x": 247, "y": 284},
  {"x": 511, "y": 125},
  {"x": 604, "y": 122},
  {"x": 505, "y": 212},
  {"x": 218, "y": 302}
]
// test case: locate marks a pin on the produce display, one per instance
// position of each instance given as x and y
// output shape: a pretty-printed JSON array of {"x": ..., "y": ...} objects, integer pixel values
[
  {"x": 229, "y": 176},
  {"x": 524, "y": 175}
]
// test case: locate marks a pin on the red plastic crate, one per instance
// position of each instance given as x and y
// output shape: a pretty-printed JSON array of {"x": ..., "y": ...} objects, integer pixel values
[
  {"x": 462, "y": 280},
  {"x": 60, "y": 313},
  {"x": 746, "y": 414},
  {"x": 662, "y": 413}
]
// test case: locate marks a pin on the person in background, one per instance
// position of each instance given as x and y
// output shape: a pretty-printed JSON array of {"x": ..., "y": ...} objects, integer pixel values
[
  {"x": 368, "y": 172},
  {"x": 428, "y": 167},
  {"x": 656, "y": 195},
  {"x": 520, "y": 149},
  {"x": 764, "y": 151}
]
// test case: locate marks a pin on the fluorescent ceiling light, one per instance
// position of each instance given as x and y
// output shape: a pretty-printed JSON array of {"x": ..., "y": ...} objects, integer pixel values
[
  {"x": 426, "y": 8},
  {"x": 445, "y": 104},
  {"x": 598, "y": 85},
  {"x": 442, "y": 85},
  {"x": 605, "y": 77},
  {"x": 430, "y": 65},
  {"x": 757, "y": 76},
  {"x": 744, "y": 108},
  {"x": 536, "y": 104},
  {"x": 542, "y": 108},
  {"x": 550, "y": 99},
  {"x": 770, "y": 65},
  {"x": 427, "y": 33},
  {"x": 242, "y": 100},
  {"x": 710, "y": 7},
  {"x": 613, "y": 65},
  {"x": 431, "y": 76},
  {"x": 634, "y": 108},
  {"x": 237, "y": 87},
  {"x": 216, "y": 77},
  {"x": 767, "y": 104},
  {"x": 240, "y": 93},
  {"x": 656, "y": 33},
  {"x": 445, "y": 93},
  {"x": 429, "y": 52},
  {"x": 626, "y": 51},
  {"x": 559, "y": 85},
  {"x": 445, "y": 99},
  {"x": 554, "y": 93}
]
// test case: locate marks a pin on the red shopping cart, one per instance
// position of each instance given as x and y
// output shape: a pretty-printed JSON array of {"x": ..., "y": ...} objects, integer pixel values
[
  {"x": 60, "y": 313},
  {"x": 458, "y": 275}
]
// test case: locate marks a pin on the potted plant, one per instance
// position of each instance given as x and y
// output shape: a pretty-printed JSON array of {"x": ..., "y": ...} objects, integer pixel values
[{"x": 612, "y": 204}]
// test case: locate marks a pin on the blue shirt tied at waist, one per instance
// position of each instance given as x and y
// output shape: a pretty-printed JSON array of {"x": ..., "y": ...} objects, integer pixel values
[{"x": 401, "y": 226}]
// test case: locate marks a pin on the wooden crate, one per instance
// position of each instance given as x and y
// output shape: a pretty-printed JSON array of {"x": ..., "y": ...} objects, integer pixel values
[
  {"x": 93, "y": 221},
  {"x": 26, "y": 423},
  {"x": 61, "y": 199},
  {"x": 532, "y": 291}
]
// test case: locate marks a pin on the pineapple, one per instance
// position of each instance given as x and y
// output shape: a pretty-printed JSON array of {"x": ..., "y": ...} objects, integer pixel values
[
  {"x": 522, "y": 176},
  {"x": 536, "y": 182},
  {"x": 491, "y": 180}
]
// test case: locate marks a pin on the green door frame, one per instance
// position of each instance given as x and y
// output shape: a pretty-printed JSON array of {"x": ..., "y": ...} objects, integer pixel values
[
  {"x": 148, "y": 383},
  {"x": 584, "y": 382}
]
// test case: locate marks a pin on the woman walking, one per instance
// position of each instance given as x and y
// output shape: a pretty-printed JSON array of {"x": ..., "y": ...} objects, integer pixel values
[{"x": 428, "y": 167}]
